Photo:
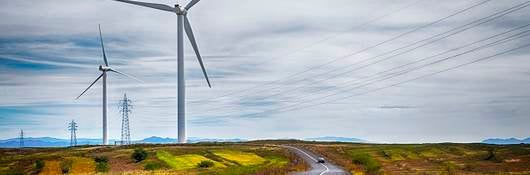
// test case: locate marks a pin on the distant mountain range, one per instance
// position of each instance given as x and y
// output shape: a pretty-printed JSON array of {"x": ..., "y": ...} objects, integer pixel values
[
  {"x": 336, "y": 139},
  {"x": 508, "y": 141},
  {"x": 55, "y": 142},
  {"x": 46, "y": 142},
  {"x": 155, "y": 139}
]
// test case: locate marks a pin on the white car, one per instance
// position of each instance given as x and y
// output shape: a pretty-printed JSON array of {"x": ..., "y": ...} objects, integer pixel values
[{"x": 321, "y": 160}]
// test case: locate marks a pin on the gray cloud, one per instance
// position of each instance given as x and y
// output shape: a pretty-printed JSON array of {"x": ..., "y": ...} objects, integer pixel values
[{"x": 249, "y": 43}]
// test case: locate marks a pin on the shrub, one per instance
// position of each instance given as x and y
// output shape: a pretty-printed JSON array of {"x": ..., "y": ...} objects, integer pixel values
[
  {"x": 99, "y": 159},
  {"x": 102, "y": 164},
  {"x": 139, "y": 154},
  {"x": 493, "y": 156},
  {"x": 368, "y": 162},
  {"x": 65, "y": 166},
  {"x": 39, "y": 165},
  {"x": 205, "y": 164}
]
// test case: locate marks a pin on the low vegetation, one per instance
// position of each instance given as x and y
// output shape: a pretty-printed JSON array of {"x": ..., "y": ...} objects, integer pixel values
[
  {"x": 39, "y": 165},
  {"x": 152, "y": 166},
  {"x": 264, "y": 158},
  {"x": 446, "y": 158},
  {"x": 101, "y": 164},
  {"x": 139, "y": 154},
  {"x": 66, "y": 165},
  {"x": 370, "y": 165},
  {"x": 205, "y": 164},
  {"x": 182, "y": 162},
  {"x": 204, "y": 158},
  {"x": 241, "y": 158}
]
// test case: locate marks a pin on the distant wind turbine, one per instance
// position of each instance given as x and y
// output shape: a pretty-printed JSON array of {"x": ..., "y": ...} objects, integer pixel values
[
  {"x": 182, "y": 23},
  {"x": 104, "y": 69}
]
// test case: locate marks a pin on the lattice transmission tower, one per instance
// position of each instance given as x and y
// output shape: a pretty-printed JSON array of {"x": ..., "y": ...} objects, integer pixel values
[
  {"x": 72, "y": 127},
  {"x": 125, "y": 107}
]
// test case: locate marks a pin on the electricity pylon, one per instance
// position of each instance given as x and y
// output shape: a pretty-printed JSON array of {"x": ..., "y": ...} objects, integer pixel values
[
  {"x": 72, "y": 127},
  {"x": 125, "y": 107}
]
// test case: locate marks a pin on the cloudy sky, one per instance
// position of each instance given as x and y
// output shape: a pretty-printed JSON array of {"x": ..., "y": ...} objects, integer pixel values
[{"x": 385, "y": 71}]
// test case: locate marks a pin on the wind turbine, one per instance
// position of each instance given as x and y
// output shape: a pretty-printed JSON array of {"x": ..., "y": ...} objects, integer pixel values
[
  {"x": 182, "y": 23},
  {"x": 104, "y": 69}
]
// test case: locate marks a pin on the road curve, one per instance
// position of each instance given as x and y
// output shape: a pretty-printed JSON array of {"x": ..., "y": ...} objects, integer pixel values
[{"x": 316, "y": 168}]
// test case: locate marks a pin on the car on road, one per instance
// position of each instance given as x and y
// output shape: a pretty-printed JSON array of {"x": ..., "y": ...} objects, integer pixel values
[{"x": 321, "y": 160}]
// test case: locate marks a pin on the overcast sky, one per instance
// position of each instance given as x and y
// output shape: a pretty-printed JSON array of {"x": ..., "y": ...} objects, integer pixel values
[{"x": 279, "y": 69}]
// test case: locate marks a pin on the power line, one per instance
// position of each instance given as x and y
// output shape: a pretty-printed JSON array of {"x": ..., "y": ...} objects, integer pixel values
[
  {"x": 355, "y": 53},
  {"x": 396, "y": 74},
  {"x": 451, "y": 32},
  {"x": 426, "y": 41},
  {"x": 375, "y": 75},
  {"x": 504, "y": 40},
  {"x": 403, "y": 82}
]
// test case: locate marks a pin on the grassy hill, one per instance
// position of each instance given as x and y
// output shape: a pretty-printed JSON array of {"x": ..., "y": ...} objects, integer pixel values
[
  {"x": 263, "y": 157},
  {"x": 161, "y": 159},
  {"x": 445, "y": 158}
]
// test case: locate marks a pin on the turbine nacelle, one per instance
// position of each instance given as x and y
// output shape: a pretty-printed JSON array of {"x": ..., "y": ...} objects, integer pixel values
[
  {"x": 104, "y": 68},
  {"x": 179, "y": 10}
]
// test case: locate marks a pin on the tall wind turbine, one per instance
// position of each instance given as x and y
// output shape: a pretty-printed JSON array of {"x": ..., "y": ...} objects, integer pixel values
[
  {"x": 104, "y": 69},
  {"x": 182, "y": 24}
]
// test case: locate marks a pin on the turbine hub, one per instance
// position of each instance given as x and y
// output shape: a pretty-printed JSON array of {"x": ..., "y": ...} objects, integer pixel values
[
  {"x": 180, "y": 10},
  {"x": 104, "y": 68}
]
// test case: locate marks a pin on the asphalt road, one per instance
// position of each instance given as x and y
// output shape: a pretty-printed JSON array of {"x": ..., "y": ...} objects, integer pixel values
[{"x": 316, "y": 168}]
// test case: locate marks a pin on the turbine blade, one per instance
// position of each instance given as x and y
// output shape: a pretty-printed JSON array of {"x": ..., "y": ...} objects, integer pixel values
[
  {"x": 151, "y": 5},
  {"x": 191, "y": 4},
  {"x": 127, "y": 75},
  {"x": 103, "y": 47},
  {"x": 189, "y": 32},
  {"x": 90, "y": 86}
]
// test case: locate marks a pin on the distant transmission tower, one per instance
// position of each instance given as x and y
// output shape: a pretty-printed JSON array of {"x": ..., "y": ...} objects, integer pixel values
[
  {"x": 72, "y": 127},
  {"x": 21, "y": 141},
  {"x": 125, "y": 107}
]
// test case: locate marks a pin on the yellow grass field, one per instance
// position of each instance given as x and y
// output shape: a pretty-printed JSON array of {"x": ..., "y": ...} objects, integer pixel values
[
  {"x": 82, "y": 165},
  {"x": 242, "y": 158},
  {"x": 51, "y": 168},
  {"x": 182, "y": 162}
]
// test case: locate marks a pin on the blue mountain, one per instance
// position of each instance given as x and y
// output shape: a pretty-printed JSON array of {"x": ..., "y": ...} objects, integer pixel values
[
  {"x": 155, "y": 139},
  {"x": 336, "y": 139},
  {"x": 508, "y": 141},
  {"x": 55, "y": 142}
]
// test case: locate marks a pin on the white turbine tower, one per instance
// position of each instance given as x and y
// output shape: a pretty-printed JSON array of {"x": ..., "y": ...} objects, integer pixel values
[
  {"x": 104, "y": 69},
  {"x": 182, "y": 24}
]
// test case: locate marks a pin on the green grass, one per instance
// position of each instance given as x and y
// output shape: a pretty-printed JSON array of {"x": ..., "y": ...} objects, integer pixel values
[
  {"x": 183, "y": 162},
  {"x": 268, "y": 162},
  {"x": 276, "y": 161}
]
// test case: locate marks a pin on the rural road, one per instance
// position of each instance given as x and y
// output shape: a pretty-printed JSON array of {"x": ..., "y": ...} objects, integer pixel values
[{"x": 316, "y": 168}]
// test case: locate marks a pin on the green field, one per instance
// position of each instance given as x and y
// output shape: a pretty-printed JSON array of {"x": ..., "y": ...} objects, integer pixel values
[{"x": 161, "y": 159}]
